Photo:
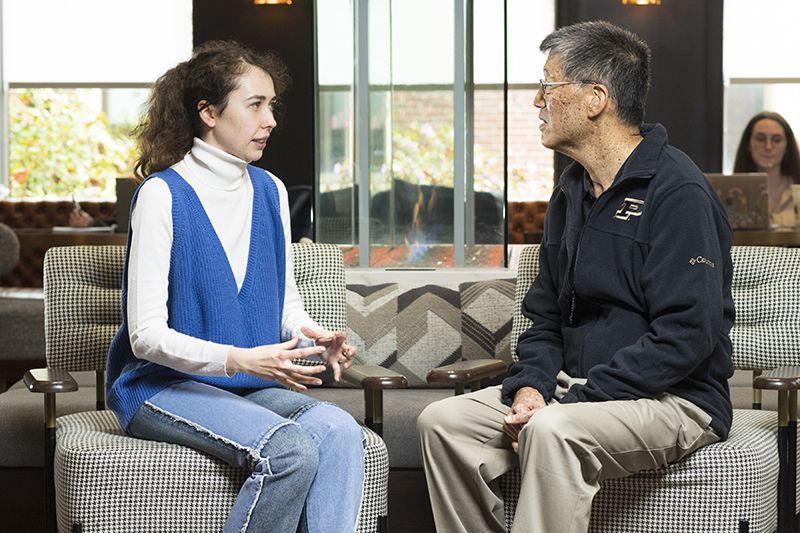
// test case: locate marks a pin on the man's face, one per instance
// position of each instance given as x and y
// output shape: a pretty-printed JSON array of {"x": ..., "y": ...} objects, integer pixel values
[{"x": 560, "y": 110}]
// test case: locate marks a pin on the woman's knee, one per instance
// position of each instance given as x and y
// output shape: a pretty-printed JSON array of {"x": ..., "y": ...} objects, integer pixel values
[
  {"x": 289, "y": 451},
  {"x": 325, "y": 421}
]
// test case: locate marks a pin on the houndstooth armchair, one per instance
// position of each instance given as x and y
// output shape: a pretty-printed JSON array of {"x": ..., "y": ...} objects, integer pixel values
[
  {"x": 728, "y": 486},
  {"x": 106, "y": 481}
]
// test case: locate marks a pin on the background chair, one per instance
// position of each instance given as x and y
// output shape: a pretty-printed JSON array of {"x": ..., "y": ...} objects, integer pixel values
[
  {"x": 727, "y": 486},
  {"x": 106, "y": 481}
]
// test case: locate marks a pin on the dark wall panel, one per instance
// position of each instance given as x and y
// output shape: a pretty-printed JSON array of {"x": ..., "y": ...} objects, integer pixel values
[
  {"x": 685, "y": 37},
  {"x": 289, "y": 30}
]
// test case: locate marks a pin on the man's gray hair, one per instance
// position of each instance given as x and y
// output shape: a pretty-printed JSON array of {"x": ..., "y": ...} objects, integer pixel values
[{"x": 609, "y": 55}]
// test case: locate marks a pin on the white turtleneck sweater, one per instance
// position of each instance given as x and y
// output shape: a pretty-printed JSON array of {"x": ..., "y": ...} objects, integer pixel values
[{"x": 223, "y": 185}]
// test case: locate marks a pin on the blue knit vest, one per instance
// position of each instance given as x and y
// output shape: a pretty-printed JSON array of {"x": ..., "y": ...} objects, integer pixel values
[{"x": 203, "y": 298}]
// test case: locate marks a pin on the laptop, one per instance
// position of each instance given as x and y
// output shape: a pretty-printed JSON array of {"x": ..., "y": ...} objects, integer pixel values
[{"x": 745, "y": 198}]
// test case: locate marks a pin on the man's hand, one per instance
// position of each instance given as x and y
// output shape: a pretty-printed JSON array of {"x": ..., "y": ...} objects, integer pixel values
[{"x": 527, "y": 402}]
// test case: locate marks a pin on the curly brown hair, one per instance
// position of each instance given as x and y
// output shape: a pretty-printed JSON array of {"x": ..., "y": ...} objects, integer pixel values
[{"x": 172, "y": 120}]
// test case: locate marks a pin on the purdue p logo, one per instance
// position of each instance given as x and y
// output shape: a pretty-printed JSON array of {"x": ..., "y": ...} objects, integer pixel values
[{"x": 631, "y": 207}]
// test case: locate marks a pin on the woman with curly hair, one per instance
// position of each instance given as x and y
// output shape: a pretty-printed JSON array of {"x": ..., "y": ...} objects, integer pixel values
[
  {"x": 768, "y": 145},
  {"x": 212, "y": 319}
]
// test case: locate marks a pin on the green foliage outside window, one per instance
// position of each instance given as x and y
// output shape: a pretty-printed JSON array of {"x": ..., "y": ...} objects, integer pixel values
[
  {"x": 60, "y": 147},
  {"x": 424, "y": 154}
]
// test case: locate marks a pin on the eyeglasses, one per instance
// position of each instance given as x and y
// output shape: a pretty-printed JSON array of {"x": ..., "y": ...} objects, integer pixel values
[
  {"x": 545, "y": 85},
  {"x": 761, "y": 140}
]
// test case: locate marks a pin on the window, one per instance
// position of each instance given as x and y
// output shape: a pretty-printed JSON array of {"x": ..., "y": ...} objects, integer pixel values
[
  {"x": 76, "y": 85},
  {"x": 432, "y": 143},
  {"x": 758, "y": 75},
  {"x": 70, "y": 142}
]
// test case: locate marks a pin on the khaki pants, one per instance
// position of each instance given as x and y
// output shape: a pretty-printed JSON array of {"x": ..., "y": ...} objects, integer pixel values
[{"x": 565, "y": 451}]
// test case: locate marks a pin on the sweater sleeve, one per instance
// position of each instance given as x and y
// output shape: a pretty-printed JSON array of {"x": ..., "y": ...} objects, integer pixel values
[{"x": 148, "y": 275}]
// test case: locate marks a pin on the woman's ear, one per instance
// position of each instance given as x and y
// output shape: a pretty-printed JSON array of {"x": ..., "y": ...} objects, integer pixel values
[
  {"x": 207, "y": 113},
  {"x": 598, "y": 100}
]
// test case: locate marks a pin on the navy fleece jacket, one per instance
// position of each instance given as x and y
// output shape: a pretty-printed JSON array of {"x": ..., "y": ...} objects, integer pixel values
[{"x": 634, "y": 291}]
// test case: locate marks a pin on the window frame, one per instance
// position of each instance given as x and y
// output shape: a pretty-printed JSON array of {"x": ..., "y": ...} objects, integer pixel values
[{"x": 463, "y": 90}]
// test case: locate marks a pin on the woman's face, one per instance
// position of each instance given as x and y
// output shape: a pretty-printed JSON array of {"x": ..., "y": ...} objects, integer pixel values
[
  {"x": 244, "y": 126},
  {"x": 767, "y": 144}
]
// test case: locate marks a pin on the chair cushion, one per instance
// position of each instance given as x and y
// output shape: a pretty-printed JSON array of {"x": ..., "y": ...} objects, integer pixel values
[
  {"x": 766, "y": 291},
  {"x": 140, "y": 491},
  {"x": 22, "y": 333},
  {"x": 713, "y": 488}
]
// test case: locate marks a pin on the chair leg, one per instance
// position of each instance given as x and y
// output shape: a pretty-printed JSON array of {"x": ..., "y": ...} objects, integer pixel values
[
  {"x": 791, "y": 459},
  {"x": 100, "y": 388},
  {"x": 3, "y": 376},
  {"x": 373, "y": 410},
  {"x": 756, "y": 392},
  {"x": 787, "y": 455},
  {"x": 49, "y": 461}
]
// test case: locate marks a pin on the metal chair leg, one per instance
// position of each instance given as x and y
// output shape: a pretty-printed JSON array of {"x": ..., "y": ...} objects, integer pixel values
[
  {"x": 787, "y": 452},
  {"x": 373, "y": 407},
  {"x": 791, "y": 459},
  {"x": 49, "y": 461}
]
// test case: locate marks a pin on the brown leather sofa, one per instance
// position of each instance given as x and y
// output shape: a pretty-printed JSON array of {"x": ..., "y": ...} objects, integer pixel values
[
  {"x": 525, "y": 217},
  {"x": 40, "y": 214}
]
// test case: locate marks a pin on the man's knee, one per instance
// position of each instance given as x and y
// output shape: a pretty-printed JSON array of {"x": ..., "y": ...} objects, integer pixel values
[
  {"x": 550, "y": 423},
  {"x": 441, "y": 416}
]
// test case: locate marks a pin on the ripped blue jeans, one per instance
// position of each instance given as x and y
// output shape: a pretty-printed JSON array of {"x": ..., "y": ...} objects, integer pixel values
[{"x": 306, "y": 457}]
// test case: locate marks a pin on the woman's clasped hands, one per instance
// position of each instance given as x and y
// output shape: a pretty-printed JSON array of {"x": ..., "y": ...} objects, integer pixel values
[{"x": 275, "y": 362}]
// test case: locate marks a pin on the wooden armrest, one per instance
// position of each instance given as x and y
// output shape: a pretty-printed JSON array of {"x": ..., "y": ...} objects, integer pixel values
[
  {"x": 786, "y": 378},
  {"x": 374, "y": 377},
  {"x": 49, "y": 380},
  {"x": 467, "y": 371}
]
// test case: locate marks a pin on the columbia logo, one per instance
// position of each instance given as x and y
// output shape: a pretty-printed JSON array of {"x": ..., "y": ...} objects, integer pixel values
[{"x": 700, "y": 260}]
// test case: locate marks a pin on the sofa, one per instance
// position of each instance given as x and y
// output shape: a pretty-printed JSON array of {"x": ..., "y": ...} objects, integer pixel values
[{"x": 40, "y": 214}]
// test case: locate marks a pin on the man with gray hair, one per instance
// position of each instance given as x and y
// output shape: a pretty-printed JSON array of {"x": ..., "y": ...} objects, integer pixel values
[{"x": 626, "y": 365}]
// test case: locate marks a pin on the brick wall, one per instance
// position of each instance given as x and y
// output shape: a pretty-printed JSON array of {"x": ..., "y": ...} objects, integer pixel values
[{"x": 524, "y": 143}]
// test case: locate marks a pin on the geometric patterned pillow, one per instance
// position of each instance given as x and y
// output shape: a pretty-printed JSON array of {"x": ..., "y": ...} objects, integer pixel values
[
  {"x": 412, "y": 328},
  {"x": 487, "y": 311}
]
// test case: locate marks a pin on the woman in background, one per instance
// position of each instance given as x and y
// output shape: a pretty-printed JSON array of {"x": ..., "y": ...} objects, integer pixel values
[
  {"x": 768, "y": 145},
  {"x": 212, "y": 319}
]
